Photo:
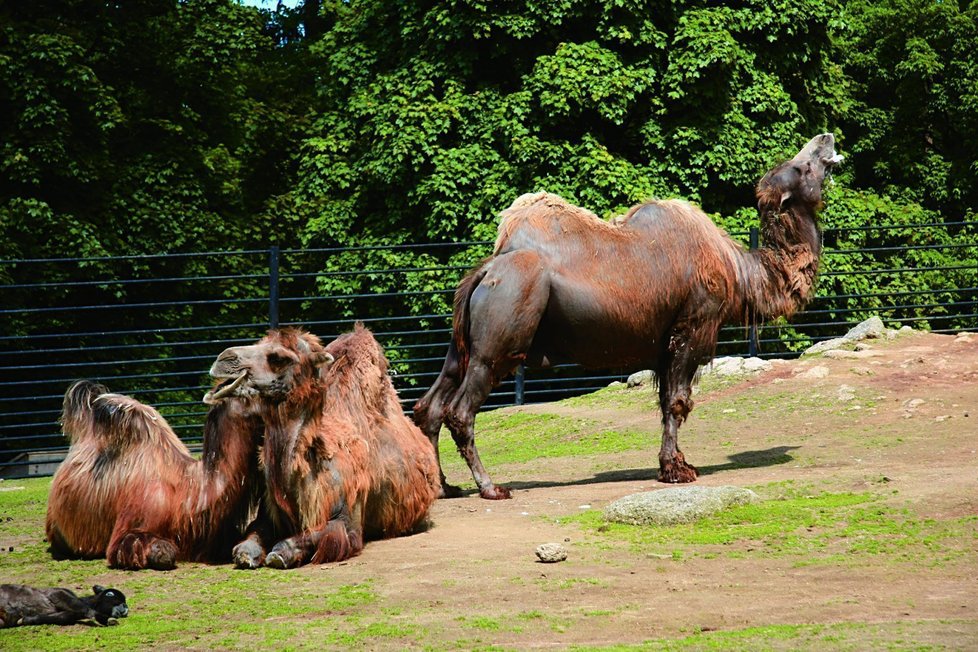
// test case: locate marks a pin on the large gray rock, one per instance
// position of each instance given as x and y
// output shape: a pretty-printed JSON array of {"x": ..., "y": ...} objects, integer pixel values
[
  {"x": 872, "y": 328},
  {"x": 676, "y": 505},
  {"x": 640, "y": 378},
  {"x": 736, "y": 366}
]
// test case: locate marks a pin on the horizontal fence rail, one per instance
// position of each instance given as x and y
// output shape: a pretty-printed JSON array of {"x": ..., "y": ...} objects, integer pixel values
[{"x": 150, "y": 326}]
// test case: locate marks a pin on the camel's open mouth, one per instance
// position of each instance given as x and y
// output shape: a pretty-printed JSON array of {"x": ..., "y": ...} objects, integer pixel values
[{"x": 225, "y": 387}]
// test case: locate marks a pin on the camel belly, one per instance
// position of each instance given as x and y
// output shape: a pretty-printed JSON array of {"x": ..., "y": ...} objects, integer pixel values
[{"x": 598, "y": 330}]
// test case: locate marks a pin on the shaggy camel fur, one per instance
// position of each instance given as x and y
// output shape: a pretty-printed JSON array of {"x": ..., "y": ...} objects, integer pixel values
[
  {"x": 650, "y": 289},
  {"x": 130, "y": 490},
  {"x": 342, "y": 463}
]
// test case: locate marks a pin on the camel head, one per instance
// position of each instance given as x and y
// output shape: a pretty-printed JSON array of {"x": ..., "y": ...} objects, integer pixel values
[
  {"x": 798, "y": 181},
  {"x": 270, "y": 369}
]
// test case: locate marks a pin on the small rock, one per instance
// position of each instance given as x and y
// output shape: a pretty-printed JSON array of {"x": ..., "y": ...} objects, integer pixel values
[
  {"x": 550, "y": 553},
  {"x": 640, "y": 378},
  {"x": 816, "y": 372},
  {"x": 846, "y": 393},
  {"x": 872, "y": 328},
  {"x": 756, "y": 365},
  {"x": 913, "y": 403},
  {"x": 843, "y": 354},
  {"x": 827, "y": 345}
]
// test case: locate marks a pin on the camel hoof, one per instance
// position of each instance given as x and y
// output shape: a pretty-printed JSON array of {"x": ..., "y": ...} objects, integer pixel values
[
  {"x": 275, "y": 560},
  {"x": 162, "y": 555},
  {"x": 492, "y": 492},
  {"x": 247, "y": 556},
  {"x": 677, "y": 472}
]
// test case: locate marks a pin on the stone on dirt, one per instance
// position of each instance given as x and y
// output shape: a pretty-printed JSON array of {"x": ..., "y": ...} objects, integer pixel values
[
  {"x": 872, "y": 328},
  {"x": 726, "y": 366},
  {"x": 550, "y": 553},
  {"x": 676, "y": 505},
  {"x": 640, "y": 378},
  {"x": 734, "y": 366}
]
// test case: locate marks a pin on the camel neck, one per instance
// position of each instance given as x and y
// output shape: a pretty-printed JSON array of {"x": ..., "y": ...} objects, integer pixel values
[
  {"x": 780, "y": 276},
  {"x": 229, "y": 454}
]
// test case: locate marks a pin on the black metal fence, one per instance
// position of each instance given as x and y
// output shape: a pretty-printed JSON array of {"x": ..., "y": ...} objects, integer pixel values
[{"x": 149, "y": 326}]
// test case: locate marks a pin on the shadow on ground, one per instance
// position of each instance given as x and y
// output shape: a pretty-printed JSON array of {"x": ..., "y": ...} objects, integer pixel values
[{"x": 744, "y": 460}]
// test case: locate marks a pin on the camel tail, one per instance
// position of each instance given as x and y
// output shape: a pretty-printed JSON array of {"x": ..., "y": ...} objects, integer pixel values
[
  {"x": 460, "y": 328},
  {"x": 77, "y": 415}
]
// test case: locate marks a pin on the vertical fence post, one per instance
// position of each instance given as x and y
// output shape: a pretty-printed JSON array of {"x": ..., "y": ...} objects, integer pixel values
[
  {"x": 273, "y": 287},
  {"x": 520, "y": 384},
  {"x": 752, "y": 335}
]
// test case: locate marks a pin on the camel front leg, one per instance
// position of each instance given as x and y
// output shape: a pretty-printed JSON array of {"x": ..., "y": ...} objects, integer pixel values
[
  {"x": 334, "y": 542},
  {"x": 676, "y": 374},
  {"x": 135, "y": 550},
  {"x": 249, "y": 554}
]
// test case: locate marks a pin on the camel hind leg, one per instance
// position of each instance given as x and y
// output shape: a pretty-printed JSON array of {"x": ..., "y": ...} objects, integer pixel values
[
  {"x": 429, "y": 412},
  {"x": 504, "y": 313}
]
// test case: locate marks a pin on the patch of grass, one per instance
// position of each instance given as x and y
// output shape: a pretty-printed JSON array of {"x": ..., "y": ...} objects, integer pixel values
[
  {"x": 571, "y": 582},
  {"x": 833, "y": 636},
  {"x": 216, "y": 607},
  {"x": 20, "y": 503},
  {"x": 821, "y": 528},
  {"x": 481, "y": 622},
  {"x": 520, "y": 437}
]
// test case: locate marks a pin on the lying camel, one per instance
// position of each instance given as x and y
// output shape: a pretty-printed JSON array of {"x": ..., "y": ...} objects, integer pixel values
[
  {"x": 342, "y": 463},
  {"x": 129, "y": 489}
]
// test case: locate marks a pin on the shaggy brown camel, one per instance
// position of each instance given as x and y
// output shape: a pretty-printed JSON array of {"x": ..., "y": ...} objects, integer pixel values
[
  {"x": 130, "y": 490},
  {"x": 648, "y": 290},
  {"x": 342, "y": 463}
]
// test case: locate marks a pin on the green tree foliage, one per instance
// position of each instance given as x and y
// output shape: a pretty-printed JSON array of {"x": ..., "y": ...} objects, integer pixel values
[
  {"x": 139, "y": 127},
  {"x": 434, "y": 116},
  {"x": 913, "y": 123}
]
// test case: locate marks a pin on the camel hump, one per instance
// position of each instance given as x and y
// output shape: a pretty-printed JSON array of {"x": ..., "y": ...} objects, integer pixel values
[
  {"x": 541, "y": 211},
  {"x": 123, "y": 419}
]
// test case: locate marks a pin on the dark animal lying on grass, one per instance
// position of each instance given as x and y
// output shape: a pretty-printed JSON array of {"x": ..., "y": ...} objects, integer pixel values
[
  {"x": 342, "y": 463},
  {"x": 649, "y": 290},
  {"x": 25, "y": 605},
  {"x": 129, "y": 489}
]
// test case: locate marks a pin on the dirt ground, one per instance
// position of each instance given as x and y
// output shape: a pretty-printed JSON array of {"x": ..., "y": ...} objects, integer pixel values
[{"x": 902, "y": 412}]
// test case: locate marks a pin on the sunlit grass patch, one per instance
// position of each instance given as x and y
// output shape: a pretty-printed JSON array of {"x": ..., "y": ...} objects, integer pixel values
[
  {"x": 832, "y": 636},
  {"x": 819, "y": 528},
  {"x": 518, "y": 437}
]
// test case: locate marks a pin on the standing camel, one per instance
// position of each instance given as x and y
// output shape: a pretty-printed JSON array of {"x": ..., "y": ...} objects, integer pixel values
[
  {"x": 342, "y": 463},
  {"x": 650, "y": 289},
  {"x": 129, "y": 489}
]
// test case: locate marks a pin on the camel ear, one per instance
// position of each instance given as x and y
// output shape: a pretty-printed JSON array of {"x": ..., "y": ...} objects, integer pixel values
[
  {"x": 321, "y": 362},
  {"x": 98, "y": 588},
  {"x": 785, "y": 196},
  {"x": 323, "y": 359}
]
